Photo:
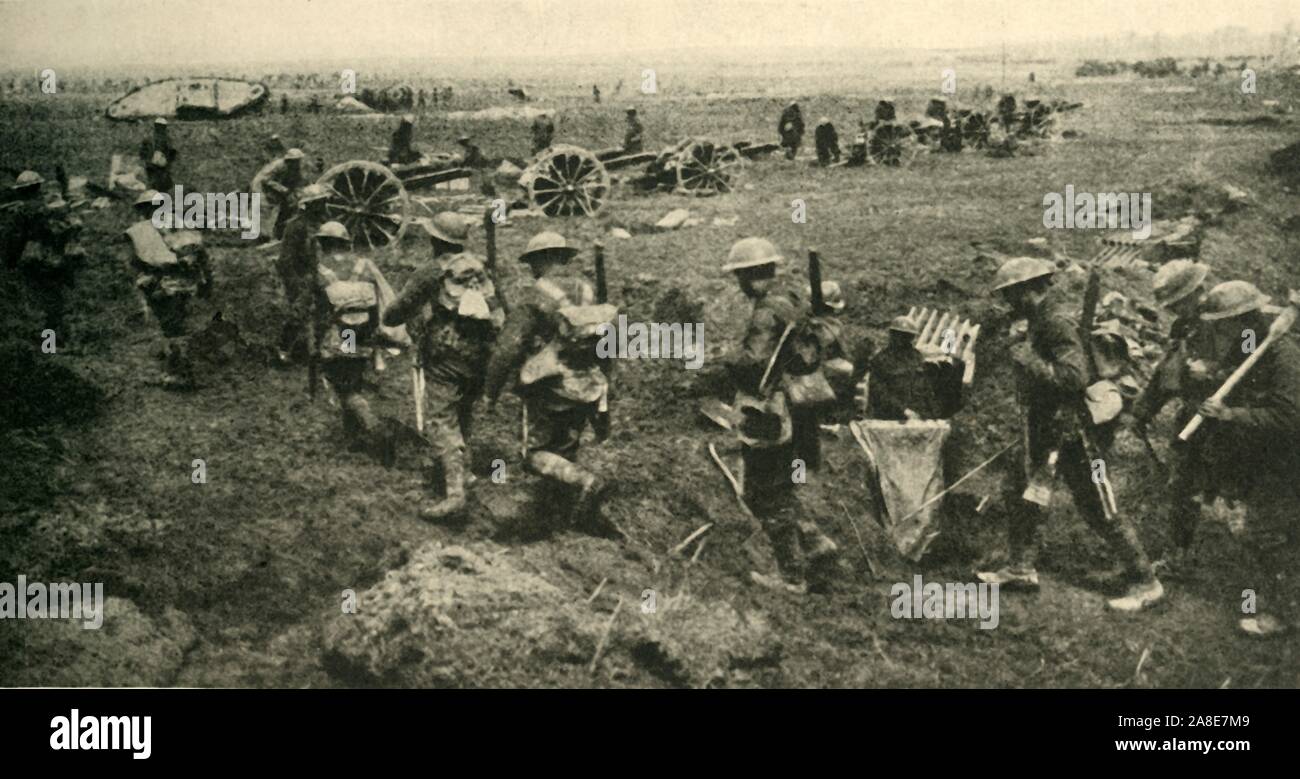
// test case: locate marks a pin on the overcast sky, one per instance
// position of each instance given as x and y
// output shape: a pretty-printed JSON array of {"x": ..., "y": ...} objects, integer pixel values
[{"x": 177, "y": 32}]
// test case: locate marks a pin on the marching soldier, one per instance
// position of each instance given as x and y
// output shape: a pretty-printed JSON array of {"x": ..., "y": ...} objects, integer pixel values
[
  {"x": 633, "y": 137},
  {"x": 283, "y": 187},
  {"x": 770, "y": 443},
  {"x": 158, "y": 156},
  {"x": 543, "y": 132},
  {"x": 41, "y": 241},
  {"x": 451, "y": 304},
  {"x": 347, "y": 316},
  {"x": 790, "y": 128},
  {"x": 296, "y": 267},
  {"x": 1179, "y": 286},
  {"x": 548, "y": 344},
  {"x": 1053, "y": 381},
  {"x": 171, "y": 268},
  {"x": 1251, "y": 444}
]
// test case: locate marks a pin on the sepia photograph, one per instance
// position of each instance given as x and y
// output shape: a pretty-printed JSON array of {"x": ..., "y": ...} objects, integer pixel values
[{"x": 821, "y": 344}]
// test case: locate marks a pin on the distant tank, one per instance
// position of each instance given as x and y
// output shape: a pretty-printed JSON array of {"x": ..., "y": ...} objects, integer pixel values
[{"x": 190, "y": 98}]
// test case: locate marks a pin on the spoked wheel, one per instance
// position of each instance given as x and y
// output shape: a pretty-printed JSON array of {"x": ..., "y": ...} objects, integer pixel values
[
  {"x": 567, "y": 181},
  {"x": 370, "y": 201},
  {"x": 892, "y": 145},
  {"x": 975, "y": 130},
  {"x": 706, "y": 168}
]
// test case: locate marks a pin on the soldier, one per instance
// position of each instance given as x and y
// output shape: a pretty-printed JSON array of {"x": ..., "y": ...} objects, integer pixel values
[
  {"x": 401, "y": 149},
  {"x": 296, "y": 267},
  {"x": 1180, "y": 286},
  {"x": 470, "y": 154},
  {"x": 543, "y": 132},
  {"x": 282, "y": 187},
  {"x": 171, "y": 268},
  {"x": 549, "y": 339},
  {"x": 1052, "y": 382},
  {"x": 790, "y": 128},
  {"x": 284, "y": 104},
  {"x": 451, "y": 303},
  {"x": 347, "y": 319},
  {"x": 595, "y": 93},
  {"x": 41, "y": 241},
  {"x": 634, "y": 136},
  {"x": 828, "y": 142},
  {"x": 770, "y": 442},
  {"x": 905, "y": 385},
  {"x": 159, "y": 156},
  {"x": 1251, "y": 444}
]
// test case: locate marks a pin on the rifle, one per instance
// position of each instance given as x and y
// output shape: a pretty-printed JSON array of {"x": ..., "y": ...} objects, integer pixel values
[
  {"x": 313, "y": 349},
  {"x": 602, "y": 286},
  {"x": 815, "y": 283},
  {"x": 490, "y": 229}
]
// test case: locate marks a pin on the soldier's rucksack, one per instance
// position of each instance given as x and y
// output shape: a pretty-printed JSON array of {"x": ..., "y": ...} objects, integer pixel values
[{"x": 353, "y": 306}]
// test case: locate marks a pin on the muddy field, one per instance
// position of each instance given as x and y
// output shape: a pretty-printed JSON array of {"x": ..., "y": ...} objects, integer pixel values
[{"x": 239, "y": 581}]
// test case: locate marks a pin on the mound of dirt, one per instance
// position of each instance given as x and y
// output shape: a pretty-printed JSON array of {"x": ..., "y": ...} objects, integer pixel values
[
  {"x": 451, "y": 617},
  {"x": 697, "y": 643},
  {"x": 129, "y": 649}
]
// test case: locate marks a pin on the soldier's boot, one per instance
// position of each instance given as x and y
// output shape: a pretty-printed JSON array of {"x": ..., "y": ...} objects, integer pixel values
[
  {"x": 591, "y": 488},
  {"x": 453, "y": 468},
  {"x": 178, "y": 370},
  {"x": 1146, "y": 589},
  {"x": 1023, "y": 527},
  {"x": 786, "y": 548}
]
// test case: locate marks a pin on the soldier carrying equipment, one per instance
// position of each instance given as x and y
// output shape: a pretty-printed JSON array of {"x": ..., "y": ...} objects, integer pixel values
[
  {"x": 42, "y": 241},
  {"x": 296, "y": 267},
  {"x": 548, "y": 346},
  {"x": 790, "y": 129},
  {"x": 1052, "y": 382},
  {"x": 171, "y": 268}
]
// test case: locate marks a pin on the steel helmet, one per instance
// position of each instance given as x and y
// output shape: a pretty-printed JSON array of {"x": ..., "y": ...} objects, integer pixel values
[
  {"x": 1177, "y": 279},
  {"x": 160, "y": 122},
  {"x": 904, "y": 324},
  {"x": 1018, "y": 270},
  {"x": 334, "y": 230},
  {"x": 311, "y": 193},
  {"x": 28, "y": 178},
  {"x": 547, "y": 242},
  {"x": 464, "y": 139},
  {"x": 750, "y": 253},
  {"x": 146, "y": 198},
  {"x": 832, "y": 296},
  {"x": 408, "y": 119},
  {"x": 447, "y": 226},
  {"x": 1232, "y": 298},
  {"x": 293, "y": 154}
]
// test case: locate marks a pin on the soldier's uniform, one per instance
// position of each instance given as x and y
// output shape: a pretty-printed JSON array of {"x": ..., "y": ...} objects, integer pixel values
[
  {"x": 42, "y": 241},
  {"x": 283, "y": 187},
  {"x": 633, "y": 137},
  {"x": 1052, "y": 382},
  {"x": 772, "y": 435},
  {"x": 455, "y": 342},
  {"x": 296, "y": 267},
  {"x": 347, "y": 310},
  {"x": 1178, "y": 281},
  {"x": 171, "y": 268},
  {"x": 543, "y": 132},
  {"x": 159, "y": 156},
  {"x": 828, "y": 142},
  {"x": 401, "y": 149},
  {"x": 790, "y": 129},
  {"x": 1252, "y": 451},
  {"x": 548, "y": 338}
]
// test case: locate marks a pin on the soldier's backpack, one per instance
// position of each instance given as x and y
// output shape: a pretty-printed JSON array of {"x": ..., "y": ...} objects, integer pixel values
[
  {"x": 570, "y": 358},
  {"x": 171, "y": 258},
  {"x": 354, "y": 306}
]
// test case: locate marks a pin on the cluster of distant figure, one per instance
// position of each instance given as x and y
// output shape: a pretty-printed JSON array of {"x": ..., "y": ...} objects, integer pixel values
[
  {"x": 1160, "y": 67},
  {"x": 886, "y": 140}
]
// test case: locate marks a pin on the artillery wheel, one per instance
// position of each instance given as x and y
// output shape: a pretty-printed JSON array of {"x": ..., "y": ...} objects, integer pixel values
[
  {"x": 892, "y": 145},
  {"x": 706, "y": 168},
  {"x": 370, "y": 200},
  {"x": 567, "y": 181}
]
